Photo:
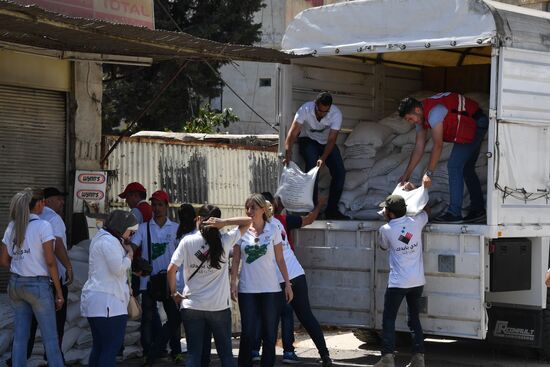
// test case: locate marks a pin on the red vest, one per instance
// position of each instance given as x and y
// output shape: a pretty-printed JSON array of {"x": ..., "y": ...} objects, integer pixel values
[
  {"x": 282, "y": 219},
  {"x": 459, "y": 125},
  {"x": 146, "y": 211}
]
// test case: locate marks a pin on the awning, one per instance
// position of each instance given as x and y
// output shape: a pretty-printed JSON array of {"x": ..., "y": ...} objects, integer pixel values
[
  {"x": 368, "y": 27},
  {"x": 33, "y": 26}
]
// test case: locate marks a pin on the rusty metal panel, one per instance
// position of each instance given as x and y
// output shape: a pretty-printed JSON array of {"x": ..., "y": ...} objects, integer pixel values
[{"x": 195, "y": 172}]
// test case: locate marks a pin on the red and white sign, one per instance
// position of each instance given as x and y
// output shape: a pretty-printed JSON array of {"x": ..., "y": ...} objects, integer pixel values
[
  {"x": 134, "y": 12},
  {"x": 89, "y": 191}
]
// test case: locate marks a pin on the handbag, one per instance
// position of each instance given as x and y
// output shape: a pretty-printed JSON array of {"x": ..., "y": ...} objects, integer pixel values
[
  {"x": 158, "y": 283},
  {"x": 134, "y": 308}
]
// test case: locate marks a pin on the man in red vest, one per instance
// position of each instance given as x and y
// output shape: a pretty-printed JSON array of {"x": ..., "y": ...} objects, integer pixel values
[{"x": 451, "y": 117}]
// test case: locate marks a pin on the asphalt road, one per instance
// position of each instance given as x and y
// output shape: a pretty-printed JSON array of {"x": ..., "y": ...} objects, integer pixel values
[{"x": 347, "y": 350}]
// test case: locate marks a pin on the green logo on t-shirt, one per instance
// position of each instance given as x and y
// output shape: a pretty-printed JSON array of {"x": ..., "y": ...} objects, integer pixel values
[
  {"x": 158, "y": 249},
  {"x": 254, "y": 252}
]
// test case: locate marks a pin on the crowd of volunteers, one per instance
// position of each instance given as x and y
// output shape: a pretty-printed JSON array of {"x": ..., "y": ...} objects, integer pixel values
[{"x": 195, "y": 271}]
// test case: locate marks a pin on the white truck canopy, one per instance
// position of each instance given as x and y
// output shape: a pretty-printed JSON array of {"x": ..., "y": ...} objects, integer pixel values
[{"x": 379, "y": 26}]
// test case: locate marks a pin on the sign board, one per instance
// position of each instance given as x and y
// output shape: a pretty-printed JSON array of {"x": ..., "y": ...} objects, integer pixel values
[
  {"x": 89, "y": 191},
  {"x": 134, "y": 12}
]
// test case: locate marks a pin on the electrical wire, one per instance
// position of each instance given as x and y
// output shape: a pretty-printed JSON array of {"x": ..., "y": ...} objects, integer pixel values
[{"x": 161, "y": 5}]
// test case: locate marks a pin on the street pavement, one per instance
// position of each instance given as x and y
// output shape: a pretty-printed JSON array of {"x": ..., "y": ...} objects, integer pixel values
[{"x": 347, "y": 350}]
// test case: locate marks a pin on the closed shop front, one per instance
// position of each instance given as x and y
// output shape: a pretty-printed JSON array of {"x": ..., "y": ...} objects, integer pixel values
[{"x": 33, "y": 132}]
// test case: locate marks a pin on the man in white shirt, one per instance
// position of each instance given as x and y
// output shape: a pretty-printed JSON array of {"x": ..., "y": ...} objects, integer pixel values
[
  {"x": 156, "y": 239},
  {"x": 402, "y": 237},
  {"x": 316, "y": 126}
]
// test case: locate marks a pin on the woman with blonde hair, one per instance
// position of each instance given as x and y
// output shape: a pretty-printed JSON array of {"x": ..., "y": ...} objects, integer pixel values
[
  {"x": 27, "y": 249},
  {"x": 259, "y": 292}
]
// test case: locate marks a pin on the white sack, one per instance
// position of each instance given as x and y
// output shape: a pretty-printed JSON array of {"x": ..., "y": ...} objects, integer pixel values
[
  {"x": 404, "y": 139},
  {"x": 366, "y": 214},
  {"x": 355, "y": 178},
  {"x": 69, "y": 338},
  {"x": 358, "y": 163},
  {"x": 360, "y": 151},
  {"x": 415, "y": 199},
  {"x": 6, "y": 335},
  {"x": 388, "y": 164},
  {"x": 73, "y": 312},
  {"x": 296, "y": 188},
  {"x": 78, "y": 253},
  {"x": 396, "y": 123},
  {"x": 348, "y": 197},
  {"x": 370, "y": 133}
]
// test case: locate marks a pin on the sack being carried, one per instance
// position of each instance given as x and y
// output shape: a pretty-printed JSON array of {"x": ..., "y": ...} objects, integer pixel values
[
  {"x": 415, "y": 199},
  {"x": 296, "y": 188}
]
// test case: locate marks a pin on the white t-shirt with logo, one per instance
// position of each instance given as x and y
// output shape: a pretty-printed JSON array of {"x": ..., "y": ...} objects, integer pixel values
[
  {"x": 259, "y": 267},
  {"x": 293, "y": 266},
  {"x": 403, "y": 238},
  {"x": 28, "y": 260},
  {"x": 208, "y": 290},
  {"x": 317, "y": 130},
  {"x": 59, "y": 230},
  {"x": 162, "y": 245}
]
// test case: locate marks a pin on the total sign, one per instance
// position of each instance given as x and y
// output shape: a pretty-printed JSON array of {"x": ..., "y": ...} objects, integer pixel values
[{"x": 89, "y": 191}]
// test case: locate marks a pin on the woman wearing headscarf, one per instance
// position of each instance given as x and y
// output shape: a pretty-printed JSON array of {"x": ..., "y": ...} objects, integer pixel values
[
  {"x": 28, "y": 252},
  {"x": 205, "y": 302},
  {"x": 259, "y": 292},
  {"x": 105, "y": 294}
]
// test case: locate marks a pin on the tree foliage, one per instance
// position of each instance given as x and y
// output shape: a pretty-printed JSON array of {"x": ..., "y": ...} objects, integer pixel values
[
  {"x": 208, "y": 121},
  {"x": 128, "y": 89}
]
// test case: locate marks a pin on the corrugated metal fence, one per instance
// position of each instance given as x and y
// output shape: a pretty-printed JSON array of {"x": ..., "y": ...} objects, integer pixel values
[{"x": 218, "y": 170}]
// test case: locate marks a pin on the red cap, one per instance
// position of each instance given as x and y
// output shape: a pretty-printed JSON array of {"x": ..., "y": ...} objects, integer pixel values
[
  {"x": 160, "y": 195},
  {"x": 132, "y": 187}
]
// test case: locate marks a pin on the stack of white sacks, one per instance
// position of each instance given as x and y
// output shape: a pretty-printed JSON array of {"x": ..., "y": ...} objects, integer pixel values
[
  {"x": 376, "y": 155},
  {"x": 77, "y": 341}
]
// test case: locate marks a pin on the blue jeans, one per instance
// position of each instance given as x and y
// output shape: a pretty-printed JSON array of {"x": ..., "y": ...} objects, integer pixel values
[
  {"x": 108, "y": 337},
  {"x": 392, "y": 301},
  {"x": 33, "y": 295},
  {"x": 311, "y": 150},
  {"x": 287, "y": 329},
  {"x": 461, "y": 167},
  {"x": 199, "y": 325},
  {"x": 265, "y": 307},
  {"x": 154, "y": 335}
]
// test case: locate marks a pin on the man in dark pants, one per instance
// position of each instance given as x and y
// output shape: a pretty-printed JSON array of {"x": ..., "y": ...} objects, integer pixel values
[
  {"x": 316, "y": 126},
  {"x": 55, "y": 203},
  {"x": 157, "y": 248},
  {"x": 402, "y": 237}
]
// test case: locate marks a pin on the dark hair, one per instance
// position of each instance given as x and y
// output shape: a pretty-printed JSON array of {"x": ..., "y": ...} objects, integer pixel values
[
  {"x": 186, "y": 215},
  {"x": 268, "y": 196},
  {"x": 142, "y": 195},
  {"x": 407, "y": 105},
  {"x": 324, "y": 98},
  {"x": 398, "y": 213},
  {"x": 212, "y": 235}
]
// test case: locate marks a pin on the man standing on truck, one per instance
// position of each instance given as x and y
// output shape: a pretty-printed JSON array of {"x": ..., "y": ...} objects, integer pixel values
[
  {"x": 402, "y": 236},
  {"x": 316, "y": 125},
  {"x": 459, "y": 120}
]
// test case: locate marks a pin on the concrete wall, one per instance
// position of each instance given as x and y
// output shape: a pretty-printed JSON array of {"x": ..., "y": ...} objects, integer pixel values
[{"x": 86, "y": 114}]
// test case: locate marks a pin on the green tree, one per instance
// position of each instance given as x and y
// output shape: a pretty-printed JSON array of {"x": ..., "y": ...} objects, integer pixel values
[
  {"x": 128, "y": 89},
  {"x": 208, "y": 121}
]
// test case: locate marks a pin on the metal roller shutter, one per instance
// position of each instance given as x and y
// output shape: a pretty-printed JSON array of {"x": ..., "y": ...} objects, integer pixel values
[{"x": 32, "y": 145}]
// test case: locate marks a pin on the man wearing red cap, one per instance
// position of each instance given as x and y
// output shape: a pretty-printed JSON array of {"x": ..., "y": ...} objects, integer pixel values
[
  {"x": 136, "y": 198},
  {"x": 156, "y": 238}
]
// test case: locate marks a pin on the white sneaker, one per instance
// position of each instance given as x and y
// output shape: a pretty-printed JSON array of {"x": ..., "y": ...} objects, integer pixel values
[
  {"x": 385, "y": 361},
  {"x": 417, "y": 360}
]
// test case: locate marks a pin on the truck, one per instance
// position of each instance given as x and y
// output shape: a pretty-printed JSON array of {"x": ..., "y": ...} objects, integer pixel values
[{"x": 483, "y": 281}]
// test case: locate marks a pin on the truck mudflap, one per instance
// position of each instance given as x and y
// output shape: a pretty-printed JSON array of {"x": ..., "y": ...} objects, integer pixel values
[{"x": 515, "y": 326}]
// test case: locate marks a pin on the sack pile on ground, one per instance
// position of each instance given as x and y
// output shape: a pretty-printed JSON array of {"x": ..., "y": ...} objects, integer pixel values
[
  {"x": 77, "y": 341},
  {"x": 376, "y": 154}
]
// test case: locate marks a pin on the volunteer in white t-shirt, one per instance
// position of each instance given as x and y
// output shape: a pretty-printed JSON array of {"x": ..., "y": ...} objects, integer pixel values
[
  {"x": 316, "y": 126},
  {"x": 402, "y": 237},
  {"x": 105, "y": 295},
  {"x": 205, "y": 303},
  {"x": 156, "y": 238},
  {"x": 300, "y": 303},
  {"x": 27, "y": 250},
  {"x": 259, "y": 291}
]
